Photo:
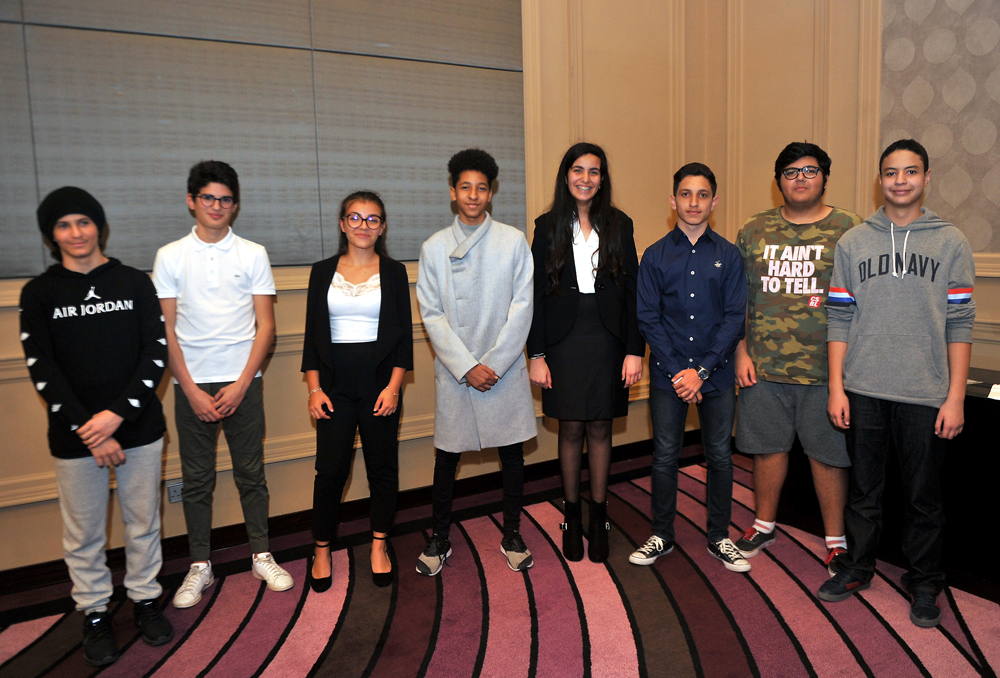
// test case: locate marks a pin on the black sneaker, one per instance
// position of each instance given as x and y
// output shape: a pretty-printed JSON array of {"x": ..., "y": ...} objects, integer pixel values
[
  {"x": 156, "y": 629},
  {"x": 832, "y": 560},
  {"x": 650, "y": 551},
  {"x": 730, "y": 556},
  {"x": 518, "y": 556},
  {"x": 924, "y": 610},
  {"x": 753, "y": 541},
  {"x": 434, "y": 556},
  {"x": 99, "y": 648},
  {"x": 841, "y": 586}
]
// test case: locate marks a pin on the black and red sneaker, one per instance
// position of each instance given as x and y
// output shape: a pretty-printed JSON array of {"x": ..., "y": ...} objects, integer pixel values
[
  {"x": 832, "y": 565},
  {"x": 841, "y": 587},
  {"x": 924, "y": 610}
]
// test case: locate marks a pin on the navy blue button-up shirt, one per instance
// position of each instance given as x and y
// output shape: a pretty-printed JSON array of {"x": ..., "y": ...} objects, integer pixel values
[{"x": 692, "y": 302}]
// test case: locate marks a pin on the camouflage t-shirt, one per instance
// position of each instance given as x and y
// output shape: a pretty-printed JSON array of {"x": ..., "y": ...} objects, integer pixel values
[{"x": 788, "y": 273}]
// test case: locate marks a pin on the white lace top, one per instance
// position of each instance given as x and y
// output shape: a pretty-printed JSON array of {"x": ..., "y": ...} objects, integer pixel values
[{"x": 354, "y": 309}]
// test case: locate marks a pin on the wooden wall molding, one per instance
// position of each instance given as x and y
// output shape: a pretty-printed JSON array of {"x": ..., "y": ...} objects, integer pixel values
[
  {"x": 735, "y": 30},
  {"x": 869, "y": 101},
  {"x": 821, "y": 72},
  {"x": 534, "y": 166},
  {"x": 575, "y": 28},
  {"x": 987, "y": 265},
  {"x": 678, "y": 91}
]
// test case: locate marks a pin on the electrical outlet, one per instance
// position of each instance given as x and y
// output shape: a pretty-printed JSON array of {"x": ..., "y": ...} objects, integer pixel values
[{"x": 174, "y": 492}]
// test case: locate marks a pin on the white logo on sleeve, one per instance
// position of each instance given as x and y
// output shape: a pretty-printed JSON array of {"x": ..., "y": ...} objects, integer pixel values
[
  {"x": 718, "y": 264},
  {"x": 91, "y": 294}
]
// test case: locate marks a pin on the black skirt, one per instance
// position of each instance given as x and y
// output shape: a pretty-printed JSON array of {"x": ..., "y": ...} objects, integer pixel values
[{"x": 586, "y": 368}]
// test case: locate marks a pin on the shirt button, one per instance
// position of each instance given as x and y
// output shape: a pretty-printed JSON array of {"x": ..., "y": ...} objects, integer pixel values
[
  {"x": 690, "y": 338},
  {"x": 692, "y": 251},
  {"x": 692, "y": 272},
  {"x": 692, "y": 317},
  {"x": 690, "y": 360},
  {"x": 692, "y": 294}
]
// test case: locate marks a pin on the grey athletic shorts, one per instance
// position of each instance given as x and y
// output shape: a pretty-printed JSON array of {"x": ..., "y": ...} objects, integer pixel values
[{"x": 769, "y": 414}]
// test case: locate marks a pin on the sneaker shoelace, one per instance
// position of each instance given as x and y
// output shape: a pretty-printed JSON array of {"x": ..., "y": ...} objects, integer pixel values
[
  {"x": 652, "y": 545},
  {"x": 147, "y": 613},
  {"x": 833, "y": 553},
  {"x": 437, "y": 548},
  {"x": 190, "y": 582},
  {"x": 728, "y": 549},
  {"x": 751, "y": 534},
  {"x": 100, "y": 627},
  {"x": 514, "y": 542},
  {"x": 268, "y": 565}
]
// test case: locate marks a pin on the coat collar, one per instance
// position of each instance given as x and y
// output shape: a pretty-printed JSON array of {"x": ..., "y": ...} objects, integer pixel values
[{"x": 466, "y": 244}]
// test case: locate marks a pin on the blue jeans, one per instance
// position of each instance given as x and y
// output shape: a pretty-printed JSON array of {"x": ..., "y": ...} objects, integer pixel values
[
  {"x": 910, "y": 428},
  {"x": 716, "y": 413}
]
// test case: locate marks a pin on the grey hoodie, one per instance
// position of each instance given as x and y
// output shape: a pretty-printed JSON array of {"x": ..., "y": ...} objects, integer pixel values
[{"x": 898, "y": 297}]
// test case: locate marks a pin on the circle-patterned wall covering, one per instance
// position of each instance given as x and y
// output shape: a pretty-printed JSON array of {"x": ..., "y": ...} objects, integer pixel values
[{"x": 941, "y": 86}]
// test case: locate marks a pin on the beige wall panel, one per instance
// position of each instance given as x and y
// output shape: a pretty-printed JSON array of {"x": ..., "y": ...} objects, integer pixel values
[
  {"x": 18, "y": 194},
  {"x": 476, "y": 33},
  {"x": 837, "y": 94},
  {"x": 257, "y": 21},
  {"x": 406, "y": 112},
  {"x": 627, "y": 104},
  {"x": 147, "y": 108}
]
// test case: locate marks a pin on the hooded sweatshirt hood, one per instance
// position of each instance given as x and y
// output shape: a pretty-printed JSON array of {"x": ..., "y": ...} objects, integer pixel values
[{"x": 898, "y": 297}]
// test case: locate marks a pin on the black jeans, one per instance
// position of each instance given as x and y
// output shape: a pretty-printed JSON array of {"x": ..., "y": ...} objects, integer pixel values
[
  {"x": 512, "y": 472},
  {"x": 354, "y": 393},
  {"x": 910, "y": 428}
]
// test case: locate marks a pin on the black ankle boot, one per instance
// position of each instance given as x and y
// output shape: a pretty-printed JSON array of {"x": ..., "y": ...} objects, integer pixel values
[
  {"x": 598, "y": 549},
  {"x": 572, "y": 545}
]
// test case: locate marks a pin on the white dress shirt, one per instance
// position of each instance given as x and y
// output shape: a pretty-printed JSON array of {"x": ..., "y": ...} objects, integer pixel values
[{"x": 585, "y": 258}]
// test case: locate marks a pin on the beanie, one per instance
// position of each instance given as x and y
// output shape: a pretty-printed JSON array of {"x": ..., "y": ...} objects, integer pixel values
[{"x": 69, "y": 200}]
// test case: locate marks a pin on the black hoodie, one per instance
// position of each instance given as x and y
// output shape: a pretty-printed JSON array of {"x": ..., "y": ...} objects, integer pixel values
[{"x": 95, "y": 341}]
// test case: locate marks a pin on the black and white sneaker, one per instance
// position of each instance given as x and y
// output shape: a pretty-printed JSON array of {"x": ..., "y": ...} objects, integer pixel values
[
  {"x": 730, "y": 556},
  {"x": 753, "y": 540},
  {"x": 650, "y": 551},
  {"x": 518, "y": 556},
  {"x": 434, "y": 556}
]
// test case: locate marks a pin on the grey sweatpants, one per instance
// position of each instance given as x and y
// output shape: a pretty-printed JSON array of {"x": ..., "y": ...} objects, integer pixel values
[{"x": 83, "y": 501}]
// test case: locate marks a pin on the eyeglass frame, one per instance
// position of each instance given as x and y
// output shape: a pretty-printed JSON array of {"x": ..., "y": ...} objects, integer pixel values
[
  {"x": 801, "y": 170},
  {"x": 211, "y": 200},
  {"x": 366, "y": 220}
]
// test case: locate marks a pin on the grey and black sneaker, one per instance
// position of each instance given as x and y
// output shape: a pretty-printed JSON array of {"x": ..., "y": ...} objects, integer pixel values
[
  {"x": 730, "y": 556},
  {"x": 434, "y": 556},
  {"x": 924, "y": 610},
  {"x": 841, "y": 586},
  {"x": 99, "y": 648},
  {"x": 156, "y": 629},
  {"x": 753, "y": 541},
  {"x": 650, "y": 551},
  {"x": 518, "y": 556}
]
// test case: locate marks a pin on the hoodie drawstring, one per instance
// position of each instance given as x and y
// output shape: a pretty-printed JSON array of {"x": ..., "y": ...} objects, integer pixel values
[{"x": 892, "y": 234}]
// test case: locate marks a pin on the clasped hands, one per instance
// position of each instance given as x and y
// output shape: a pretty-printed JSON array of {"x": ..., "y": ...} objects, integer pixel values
[{"x": 687, "y": 385}]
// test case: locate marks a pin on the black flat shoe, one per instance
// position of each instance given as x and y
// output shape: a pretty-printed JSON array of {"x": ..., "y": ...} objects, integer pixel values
[
  {"x": 383, "y": 579},
  {"x": 320, "y": 584}
]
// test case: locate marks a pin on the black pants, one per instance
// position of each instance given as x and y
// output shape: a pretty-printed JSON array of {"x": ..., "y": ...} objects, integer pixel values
[
  {"x": 512, "y": 471},
  {"x": 910, "y": 428},
  {"x": 354, "y": 393}
]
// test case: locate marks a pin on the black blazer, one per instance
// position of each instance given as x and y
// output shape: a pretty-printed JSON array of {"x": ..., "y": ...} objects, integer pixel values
[
  {"x": 555, "y": 313},
  {"x": 394, "y": 343}
]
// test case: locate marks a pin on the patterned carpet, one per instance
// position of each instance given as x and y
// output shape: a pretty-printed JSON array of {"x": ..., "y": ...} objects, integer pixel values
[{"x": 686, "y": 616}]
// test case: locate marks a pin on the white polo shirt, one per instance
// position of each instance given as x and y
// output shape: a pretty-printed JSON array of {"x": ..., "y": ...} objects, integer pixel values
[{"x": 214, "y": 285}]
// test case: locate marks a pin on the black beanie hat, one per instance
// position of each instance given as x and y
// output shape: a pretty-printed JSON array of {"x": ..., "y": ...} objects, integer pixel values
[{"x": 69, "y": 200}]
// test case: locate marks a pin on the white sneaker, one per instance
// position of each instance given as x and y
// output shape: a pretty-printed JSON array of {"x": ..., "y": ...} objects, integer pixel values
[
  {"x": 276, "y": 577},
  {"x": 198, "y": 578}
]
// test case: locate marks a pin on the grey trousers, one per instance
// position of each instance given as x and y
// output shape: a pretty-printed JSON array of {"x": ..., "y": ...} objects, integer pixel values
[
  {"x": 244, "y": 431},
  {"x": 83, "y": 501}
]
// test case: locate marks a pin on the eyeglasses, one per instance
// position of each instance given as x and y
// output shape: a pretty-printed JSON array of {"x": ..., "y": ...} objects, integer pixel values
[
  {"x": 207, "y": 200},
  {"x": 809, "y": 172},
  {"x": 355, "y": 220}
]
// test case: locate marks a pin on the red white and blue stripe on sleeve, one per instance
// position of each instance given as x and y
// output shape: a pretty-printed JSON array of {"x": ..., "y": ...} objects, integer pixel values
[
  {"x": 960, "y": 295},
  {"x": 839, "y": 297}
]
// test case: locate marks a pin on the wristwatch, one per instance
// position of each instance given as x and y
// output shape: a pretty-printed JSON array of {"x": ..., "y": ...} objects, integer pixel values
[{"x": 703, "y": 374}]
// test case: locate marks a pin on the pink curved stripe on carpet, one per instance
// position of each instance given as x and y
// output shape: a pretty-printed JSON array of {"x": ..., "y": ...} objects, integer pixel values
[
  {"x": 314, "y": 626},
  {"x": 508, "y": 645},
  {"x": 264, "y": 629},
  {"x": 937, "y": 654},
  {"x": 141, "y": 658},
  {"x": 612, "y": 645},
  {"x": 20, "y": 636},
  {"x": 560, "y": 636},
  {"x": 740, "y": 493},
  {"x": 983, "y": 619},
  {"x": 461, "y": 627},
  {"x": 223, "y": 619},
  {"x": 768, "y": 642},
  {"x": 744, "y": 462}
]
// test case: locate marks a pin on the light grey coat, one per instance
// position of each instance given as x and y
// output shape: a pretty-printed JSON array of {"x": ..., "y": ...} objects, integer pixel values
[{"x": 475, "y": 298}]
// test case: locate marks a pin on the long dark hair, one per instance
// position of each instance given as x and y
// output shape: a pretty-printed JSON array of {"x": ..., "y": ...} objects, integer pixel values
[
  {"x": 603, "y": 218},
  {"x": 364, "y": 196}
]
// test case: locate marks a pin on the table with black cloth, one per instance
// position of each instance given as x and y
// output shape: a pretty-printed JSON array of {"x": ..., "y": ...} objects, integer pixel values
[{"x": 970, "y": 477}]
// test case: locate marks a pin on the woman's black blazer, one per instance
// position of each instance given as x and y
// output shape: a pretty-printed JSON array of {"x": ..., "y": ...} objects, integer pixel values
[
  {"x": 394, "y": 344},
  {"x": 555, "y": 313}
]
